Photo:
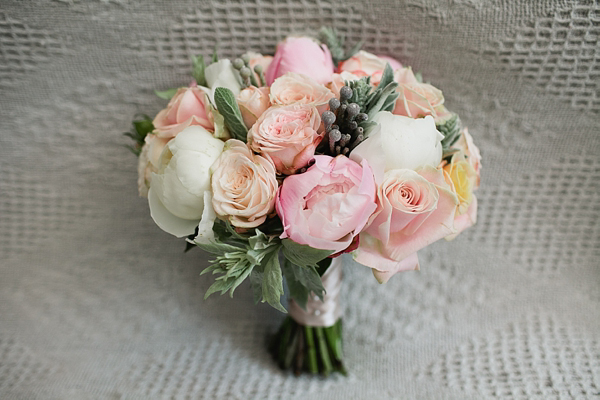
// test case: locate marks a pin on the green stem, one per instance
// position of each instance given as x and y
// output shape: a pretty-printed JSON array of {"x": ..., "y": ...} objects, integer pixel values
[
  {"x": 324, "y": 351},
  {"x": 312, "y": 351}
]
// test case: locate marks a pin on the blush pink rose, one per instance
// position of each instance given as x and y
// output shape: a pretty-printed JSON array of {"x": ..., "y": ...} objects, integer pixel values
[
  {"x": 414, "y": 209},
  {"x": 189, "y": 106},
  {"x": 328, "y": 205},
  {"x": 253, "y": 102},
  {"x": 293, "y": 88},
  {"x": 244, "y": 185},
  {"x": 417, "y": 99},
  {"x": 339, "y": 80},
  {"x": 301, "y": 55},
  {"x": 367, "y": 64},
  {"x": 288, "y": 134}
]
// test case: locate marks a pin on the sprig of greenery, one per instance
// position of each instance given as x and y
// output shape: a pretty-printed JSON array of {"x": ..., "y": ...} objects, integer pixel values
[
  {"x": 450, "y": 128},
  {"x": 255, "y": 255},
  {"x": 142, "y": 126},
  {"x": 335, "y": 43}
]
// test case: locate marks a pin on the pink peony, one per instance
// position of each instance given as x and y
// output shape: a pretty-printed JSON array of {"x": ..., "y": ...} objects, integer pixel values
[
  {"x": 329, "y": 204},
  {"x": 301, "y": 55},
  {"x": 288, "y": 134},
  {"x": 188, "y": 107},
  {"x": 414, "y": 209},
  {"x": 367, "y": 64}
]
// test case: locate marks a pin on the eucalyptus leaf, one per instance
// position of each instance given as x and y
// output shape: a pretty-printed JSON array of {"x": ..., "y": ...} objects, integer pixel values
[
  {"x": 166, "y": 94},
  {"x": 219, "y": 248},
  {"x": 228, "y": 107}
]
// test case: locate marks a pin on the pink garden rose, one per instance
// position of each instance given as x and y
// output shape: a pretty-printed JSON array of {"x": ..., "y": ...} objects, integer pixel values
[
  {"x": 417, "y": 99},
  {"x": 187, "y": 107},
  {"x": 288, "y": 134},
  {"x": 253, "y": 102},
  {"x": 293, "y": 88},
  {"x": 244, "y": 185},
  {"x": 414, "y": 209},
  {"x": 367, "y": 64},
  {"x": 328, "y": 205},
  {"x": 301, "y": 55}
]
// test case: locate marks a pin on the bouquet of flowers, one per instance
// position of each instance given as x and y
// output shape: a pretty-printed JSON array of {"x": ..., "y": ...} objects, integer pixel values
[{"x": 279, "y": 164}]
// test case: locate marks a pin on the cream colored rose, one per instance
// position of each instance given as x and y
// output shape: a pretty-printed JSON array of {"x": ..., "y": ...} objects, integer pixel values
[
  {"x": 288, "y": 135},
  {"x": 148, "y": 161},
  {"x": 253, "y": 102},
  {"x": 417, "y": 99},
  {"x": 293, "y": 88},
  {"x": 244, "y": 185}
]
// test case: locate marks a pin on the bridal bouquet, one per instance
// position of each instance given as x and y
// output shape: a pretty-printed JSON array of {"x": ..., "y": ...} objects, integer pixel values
[{"x": 279, "y": 164}]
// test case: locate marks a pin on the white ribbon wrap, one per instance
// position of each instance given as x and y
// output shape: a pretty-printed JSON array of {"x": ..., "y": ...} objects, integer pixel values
[{"x": 322, "y": 313}]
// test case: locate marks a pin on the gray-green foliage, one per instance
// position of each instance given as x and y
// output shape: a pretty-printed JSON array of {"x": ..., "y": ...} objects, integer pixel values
[
  {"x": 450, "y": 128},
  {"x": 335, "y": 43},
  {"x": 255, "y": 256},
  {"x": 228, "y": 107}
]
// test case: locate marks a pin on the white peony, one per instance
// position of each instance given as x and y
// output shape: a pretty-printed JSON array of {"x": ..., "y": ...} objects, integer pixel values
[
  {"x": 400, "y": 143},
  {"x": 222, "y": 74},
  {"x": 180, "y": 188}
]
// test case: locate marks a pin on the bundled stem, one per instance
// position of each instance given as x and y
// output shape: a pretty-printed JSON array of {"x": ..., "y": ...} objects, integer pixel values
[{"x": 312, "y": 349}]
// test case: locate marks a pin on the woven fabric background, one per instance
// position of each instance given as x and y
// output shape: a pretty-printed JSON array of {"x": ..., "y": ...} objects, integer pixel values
[{"x": 96, "y": 302}]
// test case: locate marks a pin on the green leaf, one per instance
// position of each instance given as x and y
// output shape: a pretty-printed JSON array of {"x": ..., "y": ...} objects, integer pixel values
[
  {"x": 301, "y": 281},
  {"x": 303, "y": 255},
  {"x": 166, "y": 94},
  {"x": 387, "y": 77},
  {"x": 272, "y": 283},
  {"x": 219, "y": 286},
  {"x": 143, "y": 126},
  {"x": 450, "y": 128},
  {"x": 219, "y": 248},
  {"x": 215, "y": 57},
  {"x": 228, "y": 107},
  {"x": 198, "y": 68},
  {"x": 256, "y": 279},
  {"x": 335, "y": 44}
]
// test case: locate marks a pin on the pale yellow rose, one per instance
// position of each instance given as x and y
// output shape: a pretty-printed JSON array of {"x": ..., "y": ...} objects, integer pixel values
[
  {"x": 253, "y": 102},
  {"x": 467, "y": 146},
  {"x": 464, "y": 179},
  {"x": 293, "y": 88},
  {"x": 244, "y": 185}
]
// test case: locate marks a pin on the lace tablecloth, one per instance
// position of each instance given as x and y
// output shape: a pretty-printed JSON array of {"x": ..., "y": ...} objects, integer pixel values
[{"x": 96, "y": 302}]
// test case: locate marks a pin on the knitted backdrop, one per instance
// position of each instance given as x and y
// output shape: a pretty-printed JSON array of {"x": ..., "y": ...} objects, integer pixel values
[{"x": 96, "y": 302}]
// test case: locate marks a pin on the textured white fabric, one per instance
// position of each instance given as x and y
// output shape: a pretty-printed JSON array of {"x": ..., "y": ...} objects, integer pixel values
[{"x": 97, "y": 303}]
